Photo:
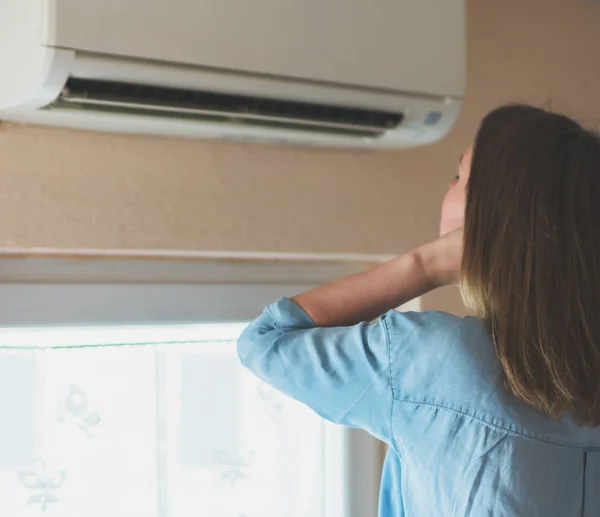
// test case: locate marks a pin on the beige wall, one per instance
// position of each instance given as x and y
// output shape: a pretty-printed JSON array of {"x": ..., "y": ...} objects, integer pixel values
[{"x": 63, "y": 189}]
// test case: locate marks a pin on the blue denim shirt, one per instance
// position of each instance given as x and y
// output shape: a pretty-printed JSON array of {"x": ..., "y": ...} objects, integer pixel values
[{"x": 431, "y": 386}]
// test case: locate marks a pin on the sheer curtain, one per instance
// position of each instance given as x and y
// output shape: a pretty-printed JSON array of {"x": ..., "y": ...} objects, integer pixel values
[{"x": 150, "y": 422}]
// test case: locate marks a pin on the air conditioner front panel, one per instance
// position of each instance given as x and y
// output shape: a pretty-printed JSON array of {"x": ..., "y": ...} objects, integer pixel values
[{"x": 396, "y": 45}]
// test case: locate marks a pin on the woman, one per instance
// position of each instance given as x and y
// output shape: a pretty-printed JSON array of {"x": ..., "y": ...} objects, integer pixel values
[{"x": 490, "y": 416}]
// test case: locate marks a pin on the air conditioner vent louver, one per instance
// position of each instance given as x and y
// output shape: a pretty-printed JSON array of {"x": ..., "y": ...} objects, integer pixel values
[{"x": 182, "y": 103}]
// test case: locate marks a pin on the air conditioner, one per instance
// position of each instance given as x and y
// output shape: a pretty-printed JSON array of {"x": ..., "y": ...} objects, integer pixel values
[{"x": 360, "y": 73}]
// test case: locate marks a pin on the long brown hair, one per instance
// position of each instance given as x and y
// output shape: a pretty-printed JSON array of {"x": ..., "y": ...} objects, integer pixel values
[{"x": 531, "y": 258}]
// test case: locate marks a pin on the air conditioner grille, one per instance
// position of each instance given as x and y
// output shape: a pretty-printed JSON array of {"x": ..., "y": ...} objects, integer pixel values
[{"x": 136, "y": 97}]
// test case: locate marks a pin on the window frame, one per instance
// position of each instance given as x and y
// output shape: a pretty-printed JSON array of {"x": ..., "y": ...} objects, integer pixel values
[{"x": 89, "y": 291}]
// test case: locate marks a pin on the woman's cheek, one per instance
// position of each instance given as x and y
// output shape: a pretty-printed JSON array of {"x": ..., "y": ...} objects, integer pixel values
[{"x": 453, "y": 212}]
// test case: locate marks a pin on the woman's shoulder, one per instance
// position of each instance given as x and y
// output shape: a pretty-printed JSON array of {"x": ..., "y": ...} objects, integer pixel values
[
  {"x": 436, "y": 328},
  {"x": 439, "y": 358}
]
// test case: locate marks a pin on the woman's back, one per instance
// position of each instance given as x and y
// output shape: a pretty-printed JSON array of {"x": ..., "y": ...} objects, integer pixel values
[{"x": 463, "y": 445}]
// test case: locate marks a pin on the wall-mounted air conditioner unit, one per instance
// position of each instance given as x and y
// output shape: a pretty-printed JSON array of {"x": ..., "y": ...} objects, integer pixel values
[{"x": 374, "y": 73}]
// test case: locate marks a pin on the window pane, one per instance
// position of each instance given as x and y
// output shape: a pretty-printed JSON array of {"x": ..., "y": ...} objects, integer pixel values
[
  {"x": 17, "y": 401},
  {"x": 170, "y": 428}
]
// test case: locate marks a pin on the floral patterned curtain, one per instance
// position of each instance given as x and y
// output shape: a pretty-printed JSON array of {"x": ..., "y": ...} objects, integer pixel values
[{"x": 165, "y": 429}]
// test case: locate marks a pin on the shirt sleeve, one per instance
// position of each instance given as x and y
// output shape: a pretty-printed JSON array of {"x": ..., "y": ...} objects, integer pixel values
[{"x": 342, "y": 373}]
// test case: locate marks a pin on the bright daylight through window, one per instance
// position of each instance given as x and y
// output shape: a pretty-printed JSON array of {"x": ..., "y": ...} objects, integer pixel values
[{"x": 150, "y": 422}]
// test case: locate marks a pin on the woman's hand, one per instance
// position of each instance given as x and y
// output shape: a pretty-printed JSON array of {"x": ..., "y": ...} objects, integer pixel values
[{"x": 441, "y": 259}]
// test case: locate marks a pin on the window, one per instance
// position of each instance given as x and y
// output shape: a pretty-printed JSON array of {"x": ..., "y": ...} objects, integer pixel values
[
  {"x": 121, "y": 396},
  {"x": 152, "y": 422}
]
